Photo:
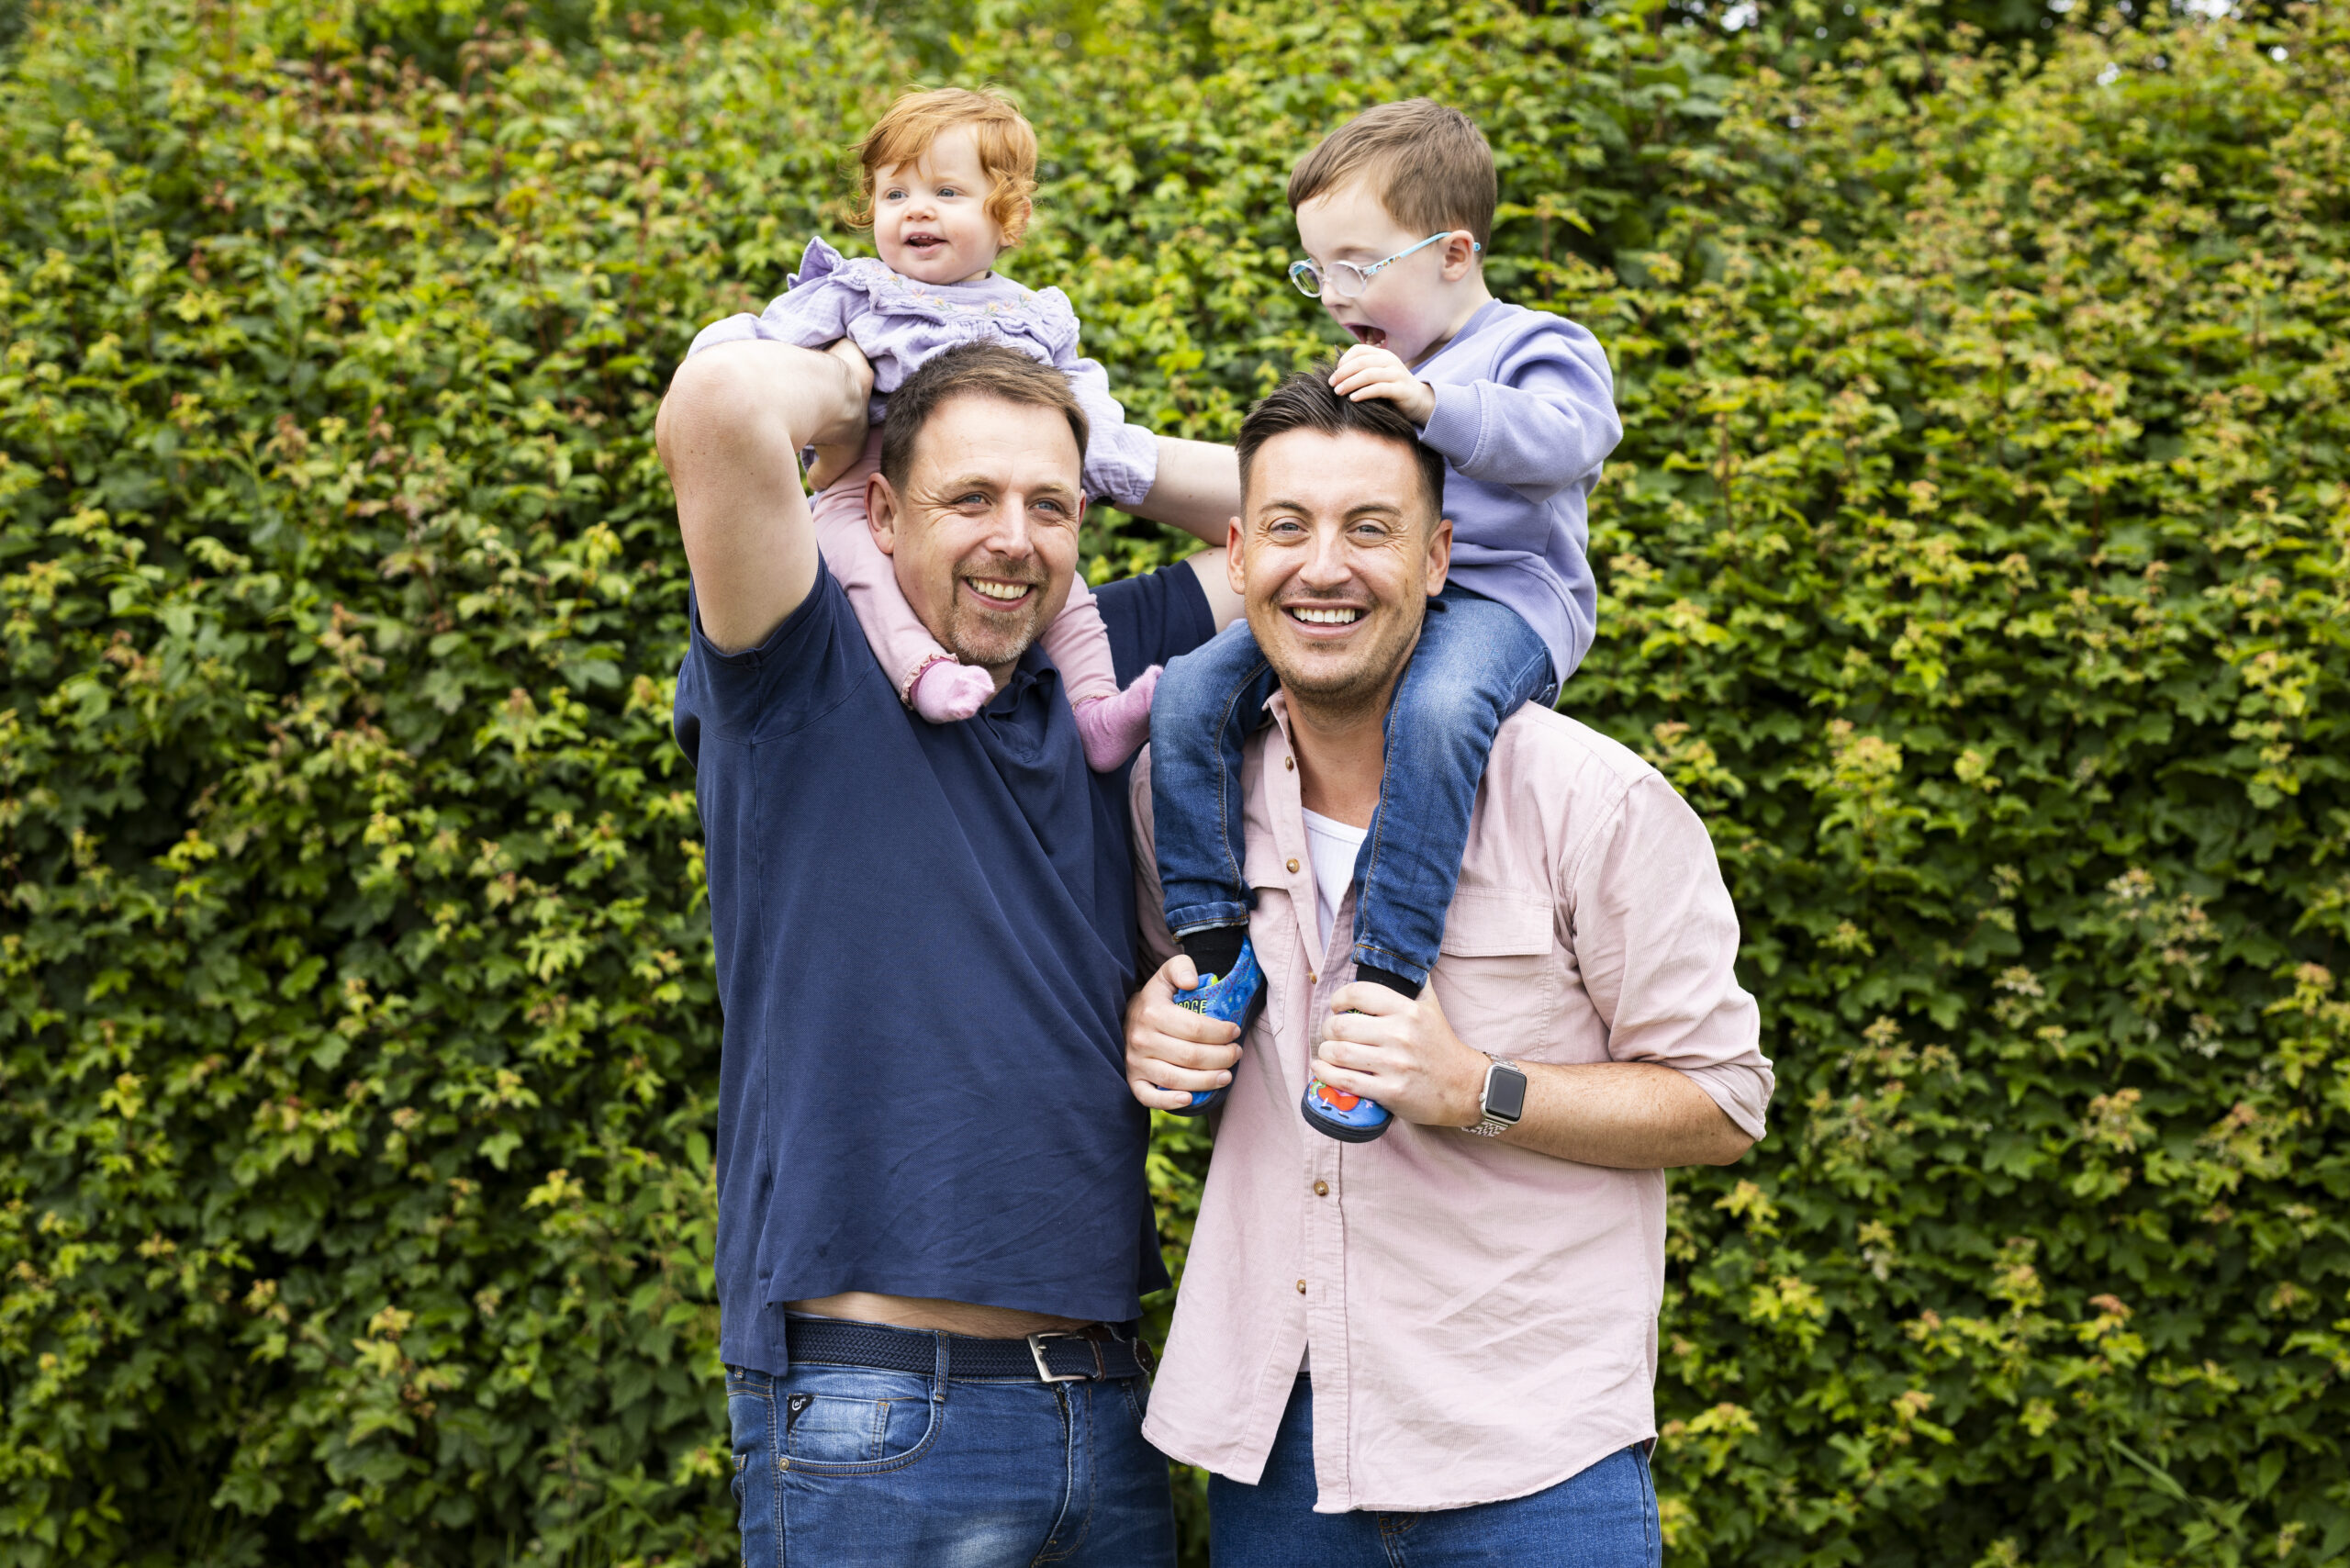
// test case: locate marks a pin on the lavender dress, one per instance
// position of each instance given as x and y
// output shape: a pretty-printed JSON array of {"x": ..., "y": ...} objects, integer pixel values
[{"x": 899, "y": 323}]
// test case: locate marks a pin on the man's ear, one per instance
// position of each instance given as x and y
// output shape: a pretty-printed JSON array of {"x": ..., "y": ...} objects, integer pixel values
[
  {"x": 1234, "y": 572},
  {"x": 1440, "y": 556},
  {"x": 881, "y": 511}
]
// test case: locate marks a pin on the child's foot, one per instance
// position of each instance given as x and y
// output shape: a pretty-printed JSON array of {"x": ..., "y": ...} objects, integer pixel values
[
  {"x": 1349, "y": 1118},
  {"x": 1238, "y": 998},
  {"x": 1113, "y": 728},
  {"x": 947, "y": 691}
]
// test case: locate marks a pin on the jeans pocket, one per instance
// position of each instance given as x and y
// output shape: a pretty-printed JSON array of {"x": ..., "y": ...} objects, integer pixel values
[
  {"x": 750, "y": 1415},
  {"x": 1137, "y": 1390},
  {"x": 851, "y": 1419}
]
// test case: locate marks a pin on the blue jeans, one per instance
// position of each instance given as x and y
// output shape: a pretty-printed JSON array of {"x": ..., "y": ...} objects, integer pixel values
[
  {"x": 1476, "y": 662},
  {"x": 1603, "y": 1517},
  {"x": 844, "y": 1467}
]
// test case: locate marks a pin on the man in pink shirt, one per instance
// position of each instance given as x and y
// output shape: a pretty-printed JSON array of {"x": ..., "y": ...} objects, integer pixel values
[{"x": 1441, "y": 1347}]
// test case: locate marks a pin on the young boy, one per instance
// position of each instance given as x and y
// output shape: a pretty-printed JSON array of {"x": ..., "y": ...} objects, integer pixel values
[{"x": 1395, "y": 210}]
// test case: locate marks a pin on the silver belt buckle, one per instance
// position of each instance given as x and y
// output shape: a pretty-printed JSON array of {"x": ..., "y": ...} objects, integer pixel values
[{"x": 1046, "y": 1373}]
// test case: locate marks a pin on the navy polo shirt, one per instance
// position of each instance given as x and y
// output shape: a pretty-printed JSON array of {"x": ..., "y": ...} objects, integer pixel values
[{"x": 924, "y": 945}]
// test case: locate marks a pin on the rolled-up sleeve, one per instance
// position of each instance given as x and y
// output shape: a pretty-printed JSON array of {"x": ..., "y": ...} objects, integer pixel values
[{"x": 1655, "y": 938}]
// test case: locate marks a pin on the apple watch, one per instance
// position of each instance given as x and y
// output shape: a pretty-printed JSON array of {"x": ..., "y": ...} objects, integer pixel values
[{"x": 1504, "y": 1100}]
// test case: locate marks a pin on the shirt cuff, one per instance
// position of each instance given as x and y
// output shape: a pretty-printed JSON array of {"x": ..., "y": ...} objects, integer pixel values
[
  {"x": 1452, "y": 429},
  {"x": 1741, "y": 1089}
]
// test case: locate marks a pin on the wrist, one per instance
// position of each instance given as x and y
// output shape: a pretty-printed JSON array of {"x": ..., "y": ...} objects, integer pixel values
[{"x": 1468, "y": 1108}]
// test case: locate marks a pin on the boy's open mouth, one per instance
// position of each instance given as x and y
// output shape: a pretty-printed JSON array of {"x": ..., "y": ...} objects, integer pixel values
[{"x": 1366, "y": 333}]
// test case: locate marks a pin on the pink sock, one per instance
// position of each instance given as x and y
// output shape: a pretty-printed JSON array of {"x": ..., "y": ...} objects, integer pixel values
[
  {"x": 947, "y": 691},
  {"x": 1113, "y": 728}
]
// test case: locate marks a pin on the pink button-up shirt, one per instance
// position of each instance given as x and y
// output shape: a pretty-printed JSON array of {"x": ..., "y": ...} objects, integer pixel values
[{"x": 1483, "y": 1318}]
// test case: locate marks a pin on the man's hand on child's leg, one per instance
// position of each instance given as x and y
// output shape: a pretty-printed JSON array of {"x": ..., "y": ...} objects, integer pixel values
[
  {"x": 843, "y": 443},
  {"x": 1365, "y": 371}
]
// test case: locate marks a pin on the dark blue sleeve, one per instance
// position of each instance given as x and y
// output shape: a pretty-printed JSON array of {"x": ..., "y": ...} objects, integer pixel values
[
  {"x": 807, "y": 667},
  {"x": 1156, "y": 617}
]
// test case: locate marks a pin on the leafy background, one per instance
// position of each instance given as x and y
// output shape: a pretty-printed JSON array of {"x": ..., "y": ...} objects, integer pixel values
[{"x": 1975, "y": 560}]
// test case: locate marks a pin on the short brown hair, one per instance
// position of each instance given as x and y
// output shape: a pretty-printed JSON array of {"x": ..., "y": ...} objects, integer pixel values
[
  {"x": 1306, "y": 401},
  {"x": 971, "y": 370},
  {"x": 1007, "y": 150},
  {"x": 1429, "y": 166}
]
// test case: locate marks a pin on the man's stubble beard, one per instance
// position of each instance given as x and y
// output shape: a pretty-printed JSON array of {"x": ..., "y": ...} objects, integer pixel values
[
  {"x": 972, "y": 635},
  {"x": 1362, "y": 687}
]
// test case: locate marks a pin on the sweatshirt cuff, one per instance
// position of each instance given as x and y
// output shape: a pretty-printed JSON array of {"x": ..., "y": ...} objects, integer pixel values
[
  {"x": 732, "y": 329},
  {"x": 1452, "y": 429},
  {"x": 1121, "y": 464}
]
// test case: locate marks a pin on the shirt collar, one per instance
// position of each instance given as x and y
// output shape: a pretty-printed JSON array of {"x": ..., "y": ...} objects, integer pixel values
[{"x": 1035, "y": 666}]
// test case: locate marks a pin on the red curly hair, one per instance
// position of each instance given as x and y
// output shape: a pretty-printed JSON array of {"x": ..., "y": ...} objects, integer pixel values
[{"x": 1007, "y": 146}]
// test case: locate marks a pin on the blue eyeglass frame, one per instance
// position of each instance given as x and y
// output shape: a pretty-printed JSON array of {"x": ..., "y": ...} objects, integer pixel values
[{"x": 1310, "y": 282}]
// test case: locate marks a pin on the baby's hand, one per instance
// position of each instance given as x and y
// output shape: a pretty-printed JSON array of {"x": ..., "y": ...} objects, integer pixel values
[{"x": 1365, "y": 371}]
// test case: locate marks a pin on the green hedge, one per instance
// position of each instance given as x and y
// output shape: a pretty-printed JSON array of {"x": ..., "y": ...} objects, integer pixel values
[{"x": 1975, "y": 560}]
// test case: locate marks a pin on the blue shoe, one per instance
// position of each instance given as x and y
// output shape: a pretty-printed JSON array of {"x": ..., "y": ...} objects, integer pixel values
[
  {"x": 1349, "y": 1118},
  {"x": 1336, "y": 1113},
  {"x": 1237, "y": 997}
]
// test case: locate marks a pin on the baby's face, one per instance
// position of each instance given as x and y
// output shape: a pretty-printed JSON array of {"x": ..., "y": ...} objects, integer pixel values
[
  {"x": 929, "y": 220},
  {"x": 1407, "y": 307}
]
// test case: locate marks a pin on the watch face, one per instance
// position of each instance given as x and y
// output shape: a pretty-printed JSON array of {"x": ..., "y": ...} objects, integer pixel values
[{"x": 1505, "y": 1093}]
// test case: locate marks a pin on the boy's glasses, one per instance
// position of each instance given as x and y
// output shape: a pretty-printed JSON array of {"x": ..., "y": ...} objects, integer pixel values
[{"x": 1345, "y": 280}]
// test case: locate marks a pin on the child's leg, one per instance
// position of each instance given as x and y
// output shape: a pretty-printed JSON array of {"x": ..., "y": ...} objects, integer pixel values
[
  {"x": 900, "y": 641},
  {"x": 1477, "y": 662},
  {"x": 1113, "y": 724},
  {"x": 1208, "y": 703},
  {"x": 1080, "y": 644}
]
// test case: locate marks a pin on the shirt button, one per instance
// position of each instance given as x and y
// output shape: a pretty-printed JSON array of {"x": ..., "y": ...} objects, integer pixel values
[
  {"x": 1321, "y": 1189},
  {"x": 1312, "y": 978},
  {"x": 1289, "y": 765},
  {"x": 1301, "y": 1287},
  {"x": 1292, "y": 866}
]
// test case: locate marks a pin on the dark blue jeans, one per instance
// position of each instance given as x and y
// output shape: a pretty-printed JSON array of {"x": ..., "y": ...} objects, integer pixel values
[
  {"x": 1604, "y": 1516},
  {"x": 843, "y": 1467},
  {"x": 1476, "y": 662}
]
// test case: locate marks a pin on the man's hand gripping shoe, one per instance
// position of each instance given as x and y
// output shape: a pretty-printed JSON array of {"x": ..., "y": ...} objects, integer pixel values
[
  {"x": 1336, "y": 1113},
  {"x": 1237, "y": 997}
]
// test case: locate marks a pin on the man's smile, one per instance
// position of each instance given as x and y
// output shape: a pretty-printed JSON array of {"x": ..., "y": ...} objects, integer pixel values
[
  {"x": 1000, "y": 591},
  {"x": 1326, "y": 619}
]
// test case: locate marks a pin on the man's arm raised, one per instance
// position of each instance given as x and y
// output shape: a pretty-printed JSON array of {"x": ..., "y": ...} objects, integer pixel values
[
  {"x": 729, "y": 433},
  {"x": 1197, "y": 488}
]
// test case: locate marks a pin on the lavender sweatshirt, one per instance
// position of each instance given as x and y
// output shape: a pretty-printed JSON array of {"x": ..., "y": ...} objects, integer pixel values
[
  {"x": 899, "y": 323},
  {"x": 1525, "y": 412}
]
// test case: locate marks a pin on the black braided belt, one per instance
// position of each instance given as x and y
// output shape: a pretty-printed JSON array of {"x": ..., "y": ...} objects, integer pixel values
[{"x": 1081, "y": 1356}]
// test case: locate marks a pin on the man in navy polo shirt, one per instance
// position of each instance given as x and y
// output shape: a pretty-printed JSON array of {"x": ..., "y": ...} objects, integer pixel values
[{"x": 934, "y": 1228}]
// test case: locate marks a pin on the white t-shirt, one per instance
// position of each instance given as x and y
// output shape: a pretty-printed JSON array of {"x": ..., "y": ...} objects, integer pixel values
[{"x": 1333, "y": 846}]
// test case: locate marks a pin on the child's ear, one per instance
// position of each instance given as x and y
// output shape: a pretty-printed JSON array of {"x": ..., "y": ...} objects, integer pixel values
[{"x": 1460, "y": 252}]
